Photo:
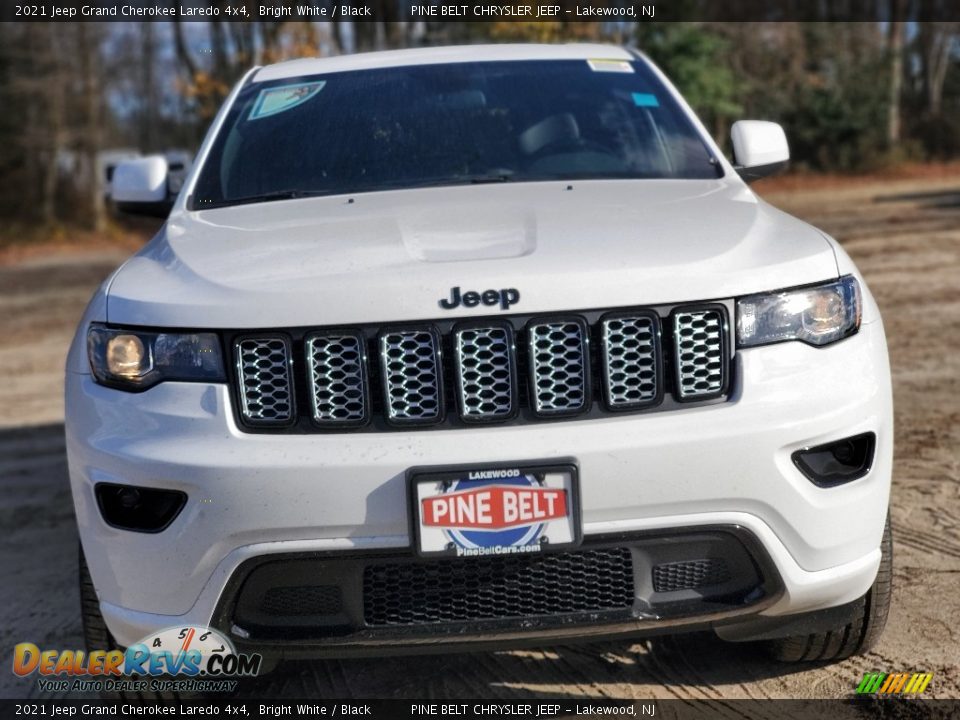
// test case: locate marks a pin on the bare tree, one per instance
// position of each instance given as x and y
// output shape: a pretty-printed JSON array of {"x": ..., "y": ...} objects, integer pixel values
[
  {"x": 38, "y": 142},
  {"x": 937, "y": 41},
  {"x": 183, "y": 52},
  {"x": 895, "y": 40},
  {"x": 147, "y": 87},
  {"x": 88, "y": 52},
  {"x": 56, "y": 121}
]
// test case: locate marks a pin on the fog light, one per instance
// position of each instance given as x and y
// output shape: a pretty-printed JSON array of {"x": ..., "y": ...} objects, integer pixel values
[
  {"x": 837, "y": 462},
  {"x": 138, "y": 509},
  {"x": 128, "y": 497}
]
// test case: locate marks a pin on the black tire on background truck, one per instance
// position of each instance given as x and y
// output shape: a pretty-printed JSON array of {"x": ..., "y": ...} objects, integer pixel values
[{"x": 857, "y": 636}]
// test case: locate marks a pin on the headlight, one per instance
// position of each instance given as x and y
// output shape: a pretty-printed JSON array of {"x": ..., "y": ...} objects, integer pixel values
[
  {"x": 817, "y": 315},
  {"x": 136, "y": 360}
]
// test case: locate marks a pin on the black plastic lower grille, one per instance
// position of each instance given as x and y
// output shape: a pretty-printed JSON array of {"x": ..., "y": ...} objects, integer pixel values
[
  {"x": 302, "y": 600},
  {"x": 346, "y": 603},
  {"x": 690, "y": 574},
  {"x": 498, "y": 587}
]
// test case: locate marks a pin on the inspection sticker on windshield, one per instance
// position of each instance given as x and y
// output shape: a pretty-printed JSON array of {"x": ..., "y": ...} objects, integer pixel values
[
  {"x": 645, "y": 100},
  {"x": 619, "y": 66},
  {"x": 280, "y": 99}
]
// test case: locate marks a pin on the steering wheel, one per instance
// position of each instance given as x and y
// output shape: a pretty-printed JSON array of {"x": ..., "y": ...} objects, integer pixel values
[{"x": 562, "y": 145}]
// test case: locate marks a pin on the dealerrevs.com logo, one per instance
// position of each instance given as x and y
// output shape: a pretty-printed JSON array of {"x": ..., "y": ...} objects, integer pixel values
[{"x": 191, "y": 658}]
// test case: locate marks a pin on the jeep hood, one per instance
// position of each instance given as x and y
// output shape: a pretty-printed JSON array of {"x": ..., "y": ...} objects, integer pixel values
[{"x": 392, "y": 256}]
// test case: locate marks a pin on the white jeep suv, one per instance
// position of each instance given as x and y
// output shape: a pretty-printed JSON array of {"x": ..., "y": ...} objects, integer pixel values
[{"x": 475, "y": 348}]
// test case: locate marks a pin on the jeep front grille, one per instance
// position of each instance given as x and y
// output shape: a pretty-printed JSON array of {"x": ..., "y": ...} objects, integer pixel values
[
  {"x": 263, "y": 370},
  {"x": 337, "y": 367},
  {"x": 700, "y": 356},
  {"x": 631, "y": 360},
  {"x": 412, "y": 385},
  {"x": 509, "y": 369},
  {"x": 559, "y": 359},
  {"x": 485, "y": 372}
]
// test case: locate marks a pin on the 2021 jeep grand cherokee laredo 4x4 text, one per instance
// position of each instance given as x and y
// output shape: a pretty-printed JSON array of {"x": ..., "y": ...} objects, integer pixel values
[{"x": 479, "y": 347}]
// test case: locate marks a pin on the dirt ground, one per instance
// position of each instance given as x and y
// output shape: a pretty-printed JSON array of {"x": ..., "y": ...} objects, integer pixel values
[{"x": 905, "y": 236}]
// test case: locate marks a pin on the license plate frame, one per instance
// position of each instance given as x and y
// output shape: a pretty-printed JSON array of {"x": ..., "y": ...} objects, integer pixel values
[{"x": 529, "y": 488}]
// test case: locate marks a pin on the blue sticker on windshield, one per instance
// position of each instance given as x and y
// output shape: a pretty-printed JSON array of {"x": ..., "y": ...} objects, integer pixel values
[
  {"x": 280, "y": 99},
  {"x": 645, "y": 100}
]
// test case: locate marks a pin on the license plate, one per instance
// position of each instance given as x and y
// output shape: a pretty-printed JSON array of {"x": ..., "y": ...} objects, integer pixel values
[{"x": 483, "y": 511}]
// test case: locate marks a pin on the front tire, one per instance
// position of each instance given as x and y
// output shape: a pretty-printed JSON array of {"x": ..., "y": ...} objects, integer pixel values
[
  {"x": 96, "y": 635},
  {"x": 857, "y": 636}
]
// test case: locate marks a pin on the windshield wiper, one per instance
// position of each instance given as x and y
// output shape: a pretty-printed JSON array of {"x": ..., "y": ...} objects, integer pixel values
[
  {"x": 494, "y": 177},
  {"x": 263, "y": 197}
]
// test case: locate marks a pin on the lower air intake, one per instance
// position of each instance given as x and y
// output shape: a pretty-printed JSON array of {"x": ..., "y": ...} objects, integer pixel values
[
  {"x": 492, "y": 588},
  {"x": 689, "y": 575},
  {"x": 302, "y": 600}
]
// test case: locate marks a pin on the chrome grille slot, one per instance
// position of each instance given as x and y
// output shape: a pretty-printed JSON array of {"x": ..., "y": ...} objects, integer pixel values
[
  {"x": 558, "y": 367},
  {"x": 412, "y": 380},
  {"x": 631, "y": 360},
  {"x": 336, "y": 363},
  {"x": 485, "y": 372},
  {"x": 699, "y": 353},
  {"x": 266, "y": 386}
]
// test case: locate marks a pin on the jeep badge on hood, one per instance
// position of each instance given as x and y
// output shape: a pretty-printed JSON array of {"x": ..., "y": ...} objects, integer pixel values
[{"x": 504, "y": 297}]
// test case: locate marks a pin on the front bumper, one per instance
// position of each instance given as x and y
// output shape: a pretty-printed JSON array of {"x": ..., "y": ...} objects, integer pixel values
[
  {"x": 375, "y": 602},
  {"x": 256, "y": 495}
]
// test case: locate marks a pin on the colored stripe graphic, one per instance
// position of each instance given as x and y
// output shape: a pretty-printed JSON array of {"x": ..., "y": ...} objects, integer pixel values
[
  {"x": 893, "y": 683},
  {"x": 919, "y": 682},
  {"x": 870, "y": 683}
]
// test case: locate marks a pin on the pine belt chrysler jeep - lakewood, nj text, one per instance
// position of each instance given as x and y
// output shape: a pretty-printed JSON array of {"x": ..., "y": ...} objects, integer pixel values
[{"x": 479, "y": 347}]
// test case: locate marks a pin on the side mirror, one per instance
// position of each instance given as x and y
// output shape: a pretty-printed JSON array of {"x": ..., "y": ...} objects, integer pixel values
[
  {"x": 759, "y": 148},
  {"x": 140, "y": 186}
]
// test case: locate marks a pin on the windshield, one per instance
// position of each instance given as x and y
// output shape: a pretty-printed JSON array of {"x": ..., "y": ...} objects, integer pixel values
[{"x": 448, "y": 124}]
